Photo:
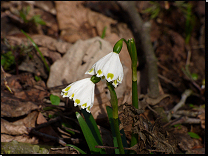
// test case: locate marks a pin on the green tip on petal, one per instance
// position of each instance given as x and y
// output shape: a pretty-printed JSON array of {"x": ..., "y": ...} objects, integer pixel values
[
  {"x": 90, "y": 71},
  {"x": 67, "y": 88},
  {"x": 110, "y": 75},
  {"x": 88, "y": 109},
  {"x": 99, "y": 72},
  {"x": 72, "y": 95},
  {"x": 84, "y": 105},
  {"x": 115, "y": 82},
  {"x": 77, "y": 101}
]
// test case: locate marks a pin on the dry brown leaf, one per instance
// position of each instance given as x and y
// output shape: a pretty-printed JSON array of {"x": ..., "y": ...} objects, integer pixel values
[
  {"x": 51, "y": 43},
  {"x": 47, "y": 130},
  {"x": 12, "y": 129},
  {"x": 19, "y": 127},
  {"x": 18, "y": 130},
  {"x": 42, "y": 41},
  {"x": 77, "y": 22},
  {"x": 202, "y": 117},
  {"x": 51, "y": 54},
  {"x": 45, "y": 5},
  {"x": 20, "y": 138},
  {"x": 13, "y": 107},
  {"x": 25, "y": 87},
  {"x": 77, "y": 60}
]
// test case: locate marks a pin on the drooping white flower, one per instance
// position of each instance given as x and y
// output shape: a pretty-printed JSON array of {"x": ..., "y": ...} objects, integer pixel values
[
  {"x": 109, "y": 66},
  {"x": 81, "y": 92}
]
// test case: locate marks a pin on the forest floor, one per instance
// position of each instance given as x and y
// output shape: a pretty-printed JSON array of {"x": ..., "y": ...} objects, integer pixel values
[{"x": 65, "y": 36}]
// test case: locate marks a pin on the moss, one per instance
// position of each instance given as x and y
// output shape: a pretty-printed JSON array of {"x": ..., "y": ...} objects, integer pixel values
[{"x": 15, "y": 147}]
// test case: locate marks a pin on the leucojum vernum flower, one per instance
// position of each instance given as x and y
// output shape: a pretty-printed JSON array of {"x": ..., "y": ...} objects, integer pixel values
[
  {"x": 82, "y": 91},
  {"x": 108, "y": 67}
]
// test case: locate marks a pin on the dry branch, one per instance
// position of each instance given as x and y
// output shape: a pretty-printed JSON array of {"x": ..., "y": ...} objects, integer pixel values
[{"x": 141, "y": 34}]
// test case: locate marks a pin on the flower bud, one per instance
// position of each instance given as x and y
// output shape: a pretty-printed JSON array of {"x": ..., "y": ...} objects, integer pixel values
[{"x": 118, "y": 46}]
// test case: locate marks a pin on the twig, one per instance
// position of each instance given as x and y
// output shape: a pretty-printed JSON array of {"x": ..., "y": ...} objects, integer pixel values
[
  {"x": 46, "y": 123},
  {"x": 186, "y": 94},
  {"x": 169, "y": 81},
  {"x": 126, "y": 148},
  {"x": 189, "y": 113},
  {"x": 66, "y": 128},
  {"x": 9, "y": 14},
  {"x": 152, "y": 110},
  {"x": 163, "y": 67},
  {"x": 59, "y": 140},
  {"x": 188, "y": 55},
  {"x": 186, "y": 120},
  {"x": 141, "y": 34},
  {"x": 173, "y": 121},
  {"x": 5, "y": 82}
]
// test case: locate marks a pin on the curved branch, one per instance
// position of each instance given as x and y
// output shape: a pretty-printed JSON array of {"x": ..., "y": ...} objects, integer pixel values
[{"x": 141, "y": 34}]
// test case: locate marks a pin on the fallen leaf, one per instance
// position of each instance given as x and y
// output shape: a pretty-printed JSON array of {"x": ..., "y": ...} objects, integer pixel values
[
  {"x": 14, "y": 107},
  {"x": 12, "y": 129},
  {"x": 20, "y": 138},
  {"x": 47, "y": 130},
  {"x": 80, "y": 22}
]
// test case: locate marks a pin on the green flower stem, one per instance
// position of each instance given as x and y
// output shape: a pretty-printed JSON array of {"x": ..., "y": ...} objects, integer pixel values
[
  {"x": 133, "y": 54},
  {"x": 114, "y": 103}
]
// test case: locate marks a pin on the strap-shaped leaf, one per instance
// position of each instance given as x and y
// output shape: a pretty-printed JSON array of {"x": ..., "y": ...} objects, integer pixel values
[
  {"x": 94, "y": 128},
  {"x": 91, "y": 142}
]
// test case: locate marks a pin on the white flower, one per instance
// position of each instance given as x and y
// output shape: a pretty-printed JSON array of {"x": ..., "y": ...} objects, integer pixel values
[
  {"x": 82, "y": 93},
  {"x": 109, "y": 66}
]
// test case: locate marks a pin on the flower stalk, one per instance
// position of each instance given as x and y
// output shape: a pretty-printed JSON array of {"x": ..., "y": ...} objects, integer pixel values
[
  {"x": 114, "y": 103},
  {"x": 133, "y": 54}
]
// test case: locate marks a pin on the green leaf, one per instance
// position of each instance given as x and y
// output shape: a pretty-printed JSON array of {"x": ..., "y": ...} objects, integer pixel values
[
  {"x": 91, "y": 142},
  {"x": 104, "y": 31},
  {"x": 36, "y": 47},
  {"x": 68, "y": 126},
  {"x": 51, "y": 116},
  {"x": 93, "y": 126},
  {"x": 55, "y": 100},
  {"x": 191, "y": 105},
  {"x": 37, "y": 78},
  {"x": 123, "y": 136},
  {"x": 27, "y": 10},
  {"x": 178, "y": 126},
  {"x": 48, "y": 108},
  {"x": 23, "y": 16},
  {"x": 194, "y": 135},
  {"x": 194, "y": 76},
  {"x": 77, "y": 148},
  {"x": 37, "y": 19},
  {"x": 7, "y": 60}
]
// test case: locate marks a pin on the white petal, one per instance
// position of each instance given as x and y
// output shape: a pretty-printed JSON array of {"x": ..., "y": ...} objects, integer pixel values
[
  {"x": 109, "y": 66},
  {"x": 84, "y": 94},
  {"x": 91, "y": 71}
]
